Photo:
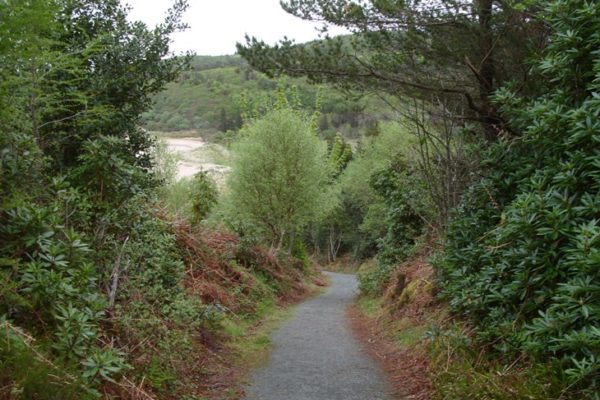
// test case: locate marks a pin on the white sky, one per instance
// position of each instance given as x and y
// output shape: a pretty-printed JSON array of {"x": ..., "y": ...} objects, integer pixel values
[{"x": 216, "y": 25}]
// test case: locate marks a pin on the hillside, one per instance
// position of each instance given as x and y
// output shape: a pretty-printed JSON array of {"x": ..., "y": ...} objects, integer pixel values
[{"x": 211, "y": 98}]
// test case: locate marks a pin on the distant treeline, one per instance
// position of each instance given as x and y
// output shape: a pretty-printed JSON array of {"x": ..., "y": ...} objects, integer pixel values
[{"x": 213, "y": 95}]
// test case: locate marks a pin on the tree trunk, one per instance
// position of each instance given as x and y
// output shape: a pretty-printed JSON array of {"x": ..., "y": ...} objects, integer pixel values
[
  {"x": 334, "y": 244},
  {"x": 280, "y": 237},
  {"x": 292, "y": 242}
]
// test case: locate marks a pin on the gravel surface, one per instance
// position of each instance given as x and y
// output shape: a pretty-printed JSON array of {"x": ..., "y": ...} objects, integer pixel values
[{"x": 316, "y": 357}]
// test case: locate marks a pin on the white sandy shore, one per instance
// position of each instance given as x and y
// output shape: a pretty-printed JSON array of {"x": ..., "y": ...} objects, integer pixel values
[{"x": 190, "y": 163}]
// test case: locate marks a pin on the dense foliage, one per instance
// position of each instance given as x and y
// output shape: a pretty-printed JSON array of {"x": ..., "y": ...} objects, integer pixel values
[
  {"x": 102, "y": 294},
  {"x": 522, "y": 254},
  {"x": 357, "y": 223},
  {"x": 75, "y": 208},
  {"x": 277, "y": 184},
  {"x": 520, "y": 257},
  {"x": 116, "y": 279}
]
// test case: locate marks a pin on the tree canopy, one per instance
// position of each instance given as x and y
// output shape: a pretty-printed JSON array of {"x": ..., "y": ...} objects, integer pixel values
[
  {"x": 279, "y": 172},
  {"x": 454, "y": 52}
]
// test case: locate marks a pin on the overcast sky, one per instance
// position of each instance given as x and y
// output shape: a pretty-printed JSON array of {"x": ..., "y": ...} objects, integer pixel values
[{"x": 216, "y": 25}]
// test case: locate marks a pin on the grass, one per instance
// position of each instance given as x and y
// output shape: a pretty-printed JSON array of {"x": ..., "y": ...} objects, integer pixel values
[
  {"x": 460, "y": 369},
  {"x": 403, "y": 331},
  {"x": 369, "y": 305},
  {"x": 251, "y": 339},
  {"x": 253, "y": 332},
  {"x": 410, "y": 336}
]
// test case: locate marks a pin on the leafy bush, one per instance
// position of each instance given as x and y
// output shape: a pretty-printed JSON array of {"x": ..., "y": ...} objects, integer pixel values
[
  {"x": 106, "y": 170},
  {"x": 164, "y": 162},
  {"x": 278, "y": 180},
  {"x": 55, "y": 278},
  {"x": 522, "y": 257},
  {"x": 75, "y": 180},
  {"x": 31, "y": 374},
  {"x": 373, "y": 277},
  {"x": 204, "y": 195},
  {"x": 401, "y": 211},
  {"x": 191, "y": 198}
]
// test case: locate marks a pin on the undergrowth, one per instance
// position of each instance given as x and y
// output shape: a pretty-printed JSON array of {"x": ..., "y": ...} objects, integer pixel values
[
  {"x": 459, "y": 369},
  {"x": 424, "y": 336},
  {"x": 522, "y": 253}
]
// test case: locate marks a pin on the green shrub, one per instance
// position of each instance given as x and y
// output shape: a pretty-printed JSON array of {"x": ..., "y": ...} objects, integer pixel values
[
  {"x": 404, "y": 208},
  {"x": 279, "y": 174},
  {"x": 26, "y": 374},
  {"x": 373, "y": 277},
  {"x": 401, "y": 210},
  {"x": 522, "y": 256},
  {"x": 191, "y": 198},
  {"x": 300, "y": 252},
  {"x": 204, "y": 195}
]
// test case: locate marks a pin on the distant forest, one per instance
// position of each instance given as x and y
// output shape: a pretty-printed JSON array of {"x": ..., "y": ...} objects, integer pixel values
[{"x": 213, "y": 95}]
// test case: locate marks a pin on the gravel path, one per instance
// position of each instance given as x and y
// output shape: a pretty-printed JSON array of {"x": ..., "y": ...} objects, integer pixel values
[{"x": 316, "y": 357}]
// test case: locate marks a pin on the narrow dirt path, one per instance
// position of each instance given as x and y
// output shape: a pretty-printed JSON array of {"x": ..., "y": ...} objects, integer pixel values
[{"x": 316, "y": 357}]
